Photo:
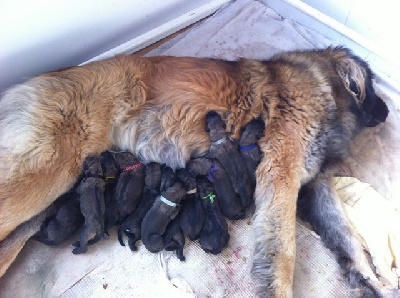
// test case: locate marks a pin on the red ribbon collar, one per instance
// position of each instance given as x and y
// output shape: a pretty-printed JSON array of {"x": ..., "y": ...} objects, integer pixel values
[{"x": 135, "y": 166}]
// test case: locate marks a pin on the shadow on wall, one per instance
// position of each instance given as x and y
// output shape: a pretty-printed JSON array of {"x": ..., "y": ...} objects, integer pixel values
[{"x": 47, "y": 35}]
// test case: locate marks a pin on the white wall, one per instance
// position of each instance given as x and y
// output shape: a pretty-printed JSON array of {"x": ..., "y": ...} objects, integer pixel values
[
  {"x": 43, "y": 35},
  {"x": 370, "y": 28}
]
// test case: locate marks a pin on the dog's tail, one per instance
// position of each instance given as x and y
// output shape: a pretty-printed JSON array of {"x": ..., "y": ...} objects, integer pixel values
[{"x": 15, "y": 241}]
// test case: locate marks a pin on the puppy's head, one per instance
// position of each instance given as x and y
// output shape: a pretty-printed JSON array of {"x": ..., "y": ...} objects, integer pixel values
[
  {"x": 153, "y": 175},
  {"x": 357, "y": 78},
  {"x": 214, "y": 122},
  {"x": 124, "y": 159},
  {"x": 252, "y": 132},
  {"x": 188, "y": 180},
  {"x": 168, "y": 178},
  {"x": 92, "y": 165},
  {"x": 108, "y": 164}
]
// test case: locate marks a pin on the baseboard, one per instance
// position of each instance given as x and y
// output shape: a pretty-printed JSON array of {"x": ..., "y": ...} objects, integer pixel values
[{"x": 163, "y": 31}]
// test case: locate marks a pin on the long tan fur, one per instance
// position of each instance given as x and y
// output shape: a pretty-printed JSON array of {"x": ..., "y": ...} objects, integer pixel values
[{"x": 155, "y": 107}]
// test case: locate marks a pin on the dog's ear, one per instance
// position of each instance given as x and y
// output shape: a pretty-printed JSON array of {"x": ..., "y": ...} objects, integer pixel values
[
  {"x": 353, "y": 75},
  {"x": 357, "y": 79}
]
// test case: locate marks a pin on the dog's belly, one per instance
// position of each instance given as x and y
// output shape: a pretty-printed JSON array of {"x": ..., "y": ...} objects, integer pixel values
[{"x": 160, "y": 136}]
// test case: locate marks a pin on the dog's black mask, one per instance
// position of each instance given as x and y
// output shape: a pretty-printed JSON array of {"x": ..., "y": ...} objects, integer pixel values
[{"x": 374, "y": 107}]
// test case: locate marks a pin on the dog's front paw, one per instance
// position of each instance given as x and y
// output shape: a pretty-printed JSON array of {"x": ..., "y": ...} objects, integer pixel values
[
  {"x": 272, "y": 271},
  {"x": 370, "y": 286}
]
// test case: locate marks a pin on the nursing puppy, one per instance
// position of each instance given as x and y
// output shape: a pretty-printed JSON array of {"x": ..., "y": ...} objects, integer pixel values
[
  {"x": 192, "y": 213},
  {"x": 249, "y": 149},
  {"x": 174, "y": 239},
  {"x": 230, "y": 203},
  {"x": 64, "y": 224},
  {"x": 110, "y": 172},
  {"x": 164, "y": 209},
  {"x": 91, "y": 199},
  {"x": 226, "y": 151},
  {"x": 130, "y": 183},
  {"x": 312, "y": 102},
  {"x": 168, "y": 177},
  {"x": 131, "y": 226},
  {"x": 214, "y": 235}
]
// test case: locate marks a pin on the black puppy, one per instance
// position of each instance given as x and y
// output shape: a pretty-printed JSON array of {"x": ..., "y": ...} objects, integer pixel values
[
  {"x": 91, "y": 194},
  {"x": 174, "y": 239},
  {"x": 164, "y": 209},
  {"x": 131, "y": 226},
  {"x": 214, "y": 236},
  {"x": 192, "y": 214},
  {"x": 130, "y": 183},
  {"x": 110, "y": 172},
  {"x": 64, "y": 223},
  {"x": 226, "y": 151},
  {"x": 249, "y": 149},
  {"x": 168, "y": 177},
  {"x": 230, "y": 203}
]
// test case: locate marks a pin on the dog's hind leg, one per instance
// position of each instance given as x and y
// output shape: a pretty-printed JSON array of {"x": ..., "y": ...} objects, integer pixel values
[
  {"x": 15, "y": 241},
  {"x": 319, "y": 205}
]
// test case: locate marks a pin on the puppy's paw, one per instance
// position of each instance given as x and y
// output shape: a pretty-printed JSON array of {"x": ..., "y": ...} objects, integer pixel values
[
  {"x": 106, "y": 235},
  {"x": 132, "y": 245},
  {"x": 79, "y": 249},
  {"x": 132, "y": 240},
  {"x": 121, "y": 236},
  {"x": 95, "y": 239}
]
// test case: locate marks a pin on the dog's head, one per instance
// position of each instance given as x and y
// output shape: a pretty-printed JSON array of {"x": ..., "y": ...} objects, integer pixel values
[{"x": 357, "y": 78}]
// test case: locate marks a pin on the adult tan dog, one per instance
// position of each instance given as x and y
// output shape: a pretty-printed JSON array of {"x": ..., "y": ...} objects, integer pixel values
[{"x": 313, "y": 103}]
